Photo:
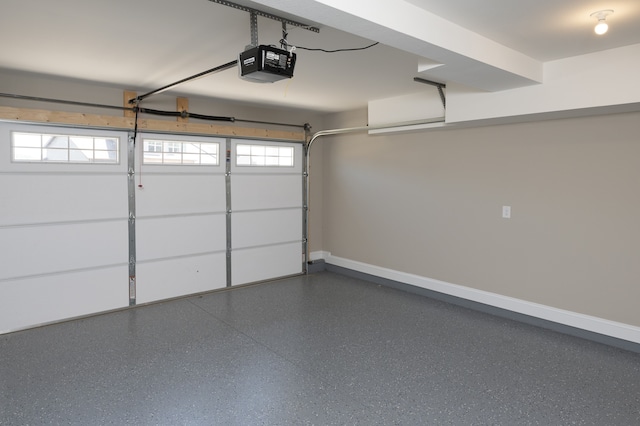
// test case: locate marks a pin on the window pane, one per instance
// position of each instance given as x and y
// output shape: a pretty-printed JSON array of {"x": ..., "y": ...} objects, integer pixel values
[
  {"x": 190, "y": 158},
  {"x": 286, "y": 161},
  {"x": 27, "y": 140},
  {"x": 172, "y": 147},
  {"x": 210, "y": 148},
  {"x": 152, "y": 157},
  {"x": 272, "y": 161},
  {"x": 286, "y": 151},
  {"x": 172, "y": 158},
  {"x": 152, "y": 146},
  {"x": 27, "y": 154},
  {"x": 193, "y": 148},
  {"x": 257, "y": 161},
  {"x": 257, "y": 150},
  {"x": 56, "y": 155},
  {"x": 208, "y": 159},
  {"x": 80, "y": 156},
  {"x": 243, "y": 149},
  {"x": 272, "y": 151},
  {"x": 103, "y": 156},
  {"x": 53, "y": 141},
  {"x": 82, "y": 143},
  {"x": 106, "y": 144}
]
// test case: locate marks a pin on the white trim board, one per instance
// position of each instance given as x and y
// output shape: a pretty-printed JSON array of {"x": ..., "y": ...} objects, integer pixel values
[
  {"x": 318, "y": 255},
  {"x": 568, "y": 318}
]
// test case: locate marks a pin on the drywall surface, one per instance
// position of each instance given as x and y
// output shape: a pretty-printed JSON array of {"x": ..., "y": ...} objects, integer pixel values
[
  {"x": 604, "y": 81},
  {"x": 430, "y": 204},
  {"x": 420, "y": 105}
]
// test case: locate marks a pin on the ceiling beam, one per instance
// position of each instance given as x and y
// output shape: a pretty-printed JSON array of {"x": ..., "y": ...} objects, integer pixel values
[{"x": 467, "y": 58}]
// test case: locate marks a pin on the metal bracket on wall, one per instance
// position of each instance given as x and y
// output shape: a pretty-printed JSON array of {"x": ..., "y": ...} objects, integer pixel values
[{"x": 439, "y": 86}]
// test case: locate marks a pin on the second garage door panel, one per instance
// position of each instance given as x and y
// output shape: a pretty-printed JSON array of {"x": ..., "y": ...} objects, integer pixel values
[
  {"x": 181, "y": 217},
  {"x": 259, "y": 228},
  {"x": 266, "y": 204}
]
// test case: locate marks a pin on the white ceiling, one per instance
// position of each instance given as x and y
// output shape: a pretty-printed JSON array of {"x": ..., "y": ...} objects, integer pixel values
[
  {"x": 543, "y": 29},
  {"x": 145, "y": 44}
]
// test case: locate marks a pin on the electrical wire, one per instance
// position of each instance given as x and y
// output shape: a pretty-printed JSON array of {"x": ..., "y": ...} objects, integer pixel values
[
  {"x": 139, "y": 110},
  {"x": 135, "y": 125},
  {"x": 284, "y": 42},
  {"x": 135, "y": 140}
]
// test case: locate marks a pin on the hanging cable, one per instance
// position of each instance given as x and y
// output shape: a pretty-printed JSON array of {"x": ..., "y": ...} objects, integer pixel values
[
  {"x": 184, "y": 114},
  {"x": 135, "y": 139},
  {"x": 135, "y": 126},
  {"x": 284, "y": 41},
  {"x": 136, "y": 109}
]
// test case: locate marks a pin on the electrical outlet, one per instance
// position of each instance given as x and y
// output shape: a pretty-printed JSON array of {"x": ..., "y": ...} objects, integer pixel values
[{"x": 506, "y": 212}]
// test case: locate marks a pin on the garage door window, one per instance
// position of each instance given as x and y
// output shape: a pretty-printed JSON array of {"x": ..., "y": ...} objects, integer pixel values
[
  {"x": 157, "y": 151},
  {"x": 63, "y": 148},
  {"x": 264, "y": 155}
]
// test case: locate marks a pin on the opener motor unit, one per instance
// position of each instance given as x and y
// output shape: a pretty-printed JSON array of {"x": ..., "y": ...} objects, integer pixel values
[{"x": 266, "y": 64}]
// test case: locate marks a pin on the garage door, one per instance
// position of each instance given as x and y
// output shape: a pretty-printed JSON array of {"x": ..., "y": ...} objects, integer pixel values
[
  {"x": 266, "y": 204},
  {"x": 63, "y": 223},
  {"x": 203, "y": 223},
  {"x": 180, "y": 216},
  {"x": 90, "y": 222}
]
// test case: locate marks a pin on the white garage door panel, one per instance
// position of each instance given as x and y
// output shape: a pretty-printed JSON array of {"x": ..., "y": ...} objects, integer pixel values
[
  {"x": 37, "y": 198},
  {"x": 180, "y": 194},
  {"x": 179, "y": 236},
  {"x": 266, "y": 191},
  {"x": 259, "y": 228},
  {"x": 33, "y": 250},
  {"x": 39, "y": 300},
  {"x": 179, "y": 277},
  {"x": 249, "y": 265}
]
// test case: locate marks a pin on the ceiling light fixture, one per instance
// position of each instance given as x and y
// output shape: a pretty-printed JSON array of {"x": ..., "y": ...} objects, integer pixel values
[{"x": 601, "y": 15}]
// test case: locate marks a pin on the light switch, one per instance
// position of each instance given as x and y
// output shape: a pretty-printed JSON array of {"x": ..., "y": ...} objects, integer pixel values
[{"x": 506, "y": 212}]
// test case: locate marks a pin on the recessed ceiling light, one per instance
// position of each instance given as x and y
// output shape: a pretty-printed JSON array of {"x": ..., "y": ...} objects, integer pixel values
[{"x": 601, "y": 15}]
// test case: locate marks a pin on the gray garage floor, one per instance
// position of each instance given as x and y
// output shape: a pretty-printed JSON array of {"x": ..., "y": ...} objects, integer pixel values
[{"x": 322, "y": 349}]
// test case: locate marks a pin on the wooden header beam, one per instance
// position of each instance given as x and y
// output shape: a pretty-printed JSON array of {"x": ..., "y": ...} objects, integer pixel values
[
  {"x": 182, "y": 104},
  {"x": 127, "y": 123},
  {"x": 127, "y": 96}
]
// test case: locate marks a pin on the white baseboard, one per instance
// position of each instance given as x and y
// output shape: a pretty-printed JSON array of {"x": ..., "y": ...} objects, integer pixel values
[
  {"x": 319, "y": 255},
  {"x": 585, "y": 322}
]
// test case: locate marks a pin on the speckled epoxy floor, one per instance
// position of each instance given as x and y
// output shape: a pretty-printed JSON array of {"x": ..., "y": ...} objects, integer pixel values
[{"x": 323, "y": 349}]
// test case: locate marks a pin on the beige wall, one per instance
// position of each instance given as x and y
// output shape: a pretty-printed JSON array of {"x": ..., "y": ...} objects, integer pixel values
[{"x": 430, "y": 203}]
